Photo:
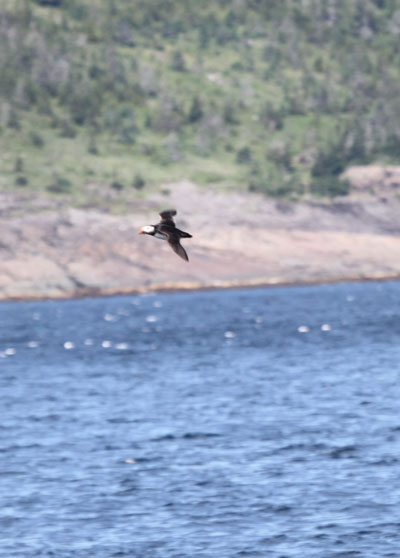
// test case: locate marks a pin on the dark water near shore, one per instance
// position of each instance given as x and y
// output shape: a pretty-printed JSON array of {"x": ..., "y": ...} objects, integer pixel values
[{"x": 237, "y": 423}]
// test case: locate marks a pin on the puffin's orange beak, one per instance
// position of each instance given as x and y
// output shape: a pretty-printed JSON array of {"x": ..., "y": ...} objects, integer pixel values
[{"x": 141, "y": 231}]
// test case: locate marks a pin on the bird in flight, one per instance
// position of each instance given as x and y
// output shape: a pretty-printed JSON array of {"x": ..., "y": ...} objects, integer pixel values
[{"x": 166, "y": 230}]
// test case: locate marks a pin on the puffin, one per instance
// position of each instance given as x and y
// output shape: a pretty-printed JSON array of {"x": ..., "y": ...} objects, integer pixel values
[{"x": 166, "y": 230}]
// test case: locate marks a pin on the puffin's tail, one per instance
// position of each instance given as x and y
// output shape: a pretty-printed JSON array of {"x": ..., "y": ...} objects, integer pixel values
[{"x": 183, "y": 234}]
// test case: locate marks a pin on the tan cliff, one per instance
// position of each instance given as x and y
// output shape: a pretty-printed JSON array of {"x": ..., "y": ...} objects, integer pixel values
[{"x": 238, "y": 239}]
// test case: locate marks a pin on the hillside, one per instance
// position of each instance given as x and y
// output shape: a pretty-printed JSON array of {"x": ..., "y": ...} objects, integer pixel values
[{"x": 105, "y": 101}]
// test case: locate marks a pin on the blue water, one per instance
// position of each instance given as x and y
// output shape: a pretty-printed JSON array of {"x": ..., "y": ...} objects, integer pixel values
[{"x": 215, "y": 424}]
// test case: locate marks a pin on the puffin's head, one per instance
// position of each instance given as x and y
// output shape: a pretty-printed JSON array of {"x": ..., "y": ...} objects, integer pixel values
[{"x": 148, "y": 229}]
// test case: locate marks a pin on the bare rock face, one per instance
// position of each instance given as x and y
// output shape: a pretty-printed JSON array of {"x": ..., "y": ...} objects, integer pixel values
[
  {"x": 377, "y": 179},
  {"x": 238, "y": 238}
]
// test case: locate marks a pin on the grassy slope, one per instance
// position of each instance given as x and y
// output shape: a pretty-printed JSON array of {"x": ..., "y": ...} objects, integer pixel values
[{"x": 280, "y": 87}]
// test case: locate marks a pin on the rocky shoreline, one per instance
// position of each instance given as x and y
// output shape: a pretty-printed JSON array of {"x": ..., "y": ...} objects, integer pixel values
[
  {"x": 239, "y": 240},
  {"x": 183, "y": 287}
]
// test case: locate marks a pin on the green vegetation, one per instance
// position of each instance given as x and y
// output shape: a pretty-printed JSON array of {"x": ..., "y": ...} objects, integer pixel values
[{"x": 275, "y": 96}]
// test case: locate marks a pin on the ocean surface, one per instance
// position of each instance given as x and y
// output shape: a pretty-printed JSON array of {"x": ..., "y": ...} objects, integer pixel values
[{"x": 237, "y": 423}]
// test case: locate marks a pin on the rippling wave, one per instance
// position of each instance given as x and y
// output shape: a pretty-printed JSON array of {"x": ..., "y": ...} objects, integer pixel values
[{"x": 215, "y": 424}]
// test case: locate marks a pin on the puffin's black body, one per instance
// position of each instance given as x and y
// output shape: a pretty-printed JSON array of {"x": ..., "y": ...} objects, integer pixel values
[{"x": 166, "y": 230}]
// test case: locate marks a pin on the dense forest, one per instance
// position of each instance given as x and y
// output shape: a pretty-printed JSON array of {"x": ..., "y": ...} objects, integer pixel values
[{"x": 277, "y": 96}]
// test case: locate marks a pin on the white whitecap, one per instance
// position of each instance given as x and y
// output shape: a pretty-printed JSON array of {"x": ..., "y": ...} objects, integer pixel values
[
  {"x": 350, "y": 298},
  {"x": 151, "y": 319},
  {"x": 303, "y": 329},
  {"x": 229, "y": 334},
  {"x": 88, "y": 342},
  {"x": 69, "y": 345},
  {"x": 106, "y": 344},
  {"x": 122, "y": 346},
  {"x": 109, "y": 318},
  {"x": 10, "y": 351},
  {"x": 326, "y": 327},
  {"x": 33, "y": 344}
]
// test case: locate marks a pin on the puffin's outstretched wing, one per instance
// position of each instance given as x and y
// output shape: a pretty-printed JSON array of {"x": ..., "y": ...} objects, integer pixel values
[
  {"x": 166, "y": 230},
  {"x": 178, "y": 249},
  {"x": 166, "y": 217}
]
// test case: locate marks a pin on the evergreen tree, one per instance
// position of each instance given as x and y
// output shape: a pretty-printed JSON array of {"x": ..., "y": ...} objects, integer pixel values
[{"x": 195, "y": 111}]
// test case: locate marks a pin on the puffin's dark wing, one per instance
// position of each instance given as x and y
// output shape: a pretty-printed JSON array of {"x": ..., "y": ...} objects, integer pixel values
[
  {"x": 168, "y": 228},
  {"x": 166, "y": 216},
  {"x": 178, "y": 249}
]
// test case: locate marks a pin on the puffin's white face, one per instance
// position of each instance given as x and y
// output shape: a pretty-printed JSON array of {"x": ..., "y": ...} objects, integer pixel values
[{"x": 148, "y": 229}]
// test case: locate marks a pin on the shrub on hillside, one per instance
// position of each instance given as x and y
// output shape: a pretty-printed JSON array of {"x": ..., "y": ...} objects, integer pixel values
[
  {"x": 19, "y": 164},
  {"x": 329, "y": 162},
  {"x": 21, "y": 180},
  {"x": 280, "y": 152},
  {"x": 92, "y": 147},
  {"x": 54, "y": 3},
  {"x": 138, "y": 181},
  {"x": 229, "y": 113},
  {"x": 330, "y": 186},
  {"x": 116, "y": 185},
  {"x": 272, "y": 117},
  {"x": 243, "y": 155},
  {"x": 195, "y": 111},
  {"x": 36, "y": 139},
  {"x": 67, "y": 129},
  {"x": 60, "y": 185},
  {"x": 178, "y": 61},
  {"x": 277, "y": 184}
]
